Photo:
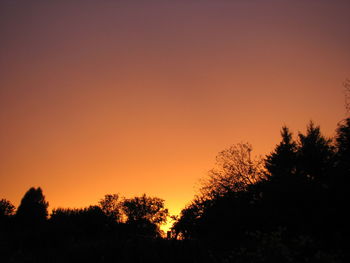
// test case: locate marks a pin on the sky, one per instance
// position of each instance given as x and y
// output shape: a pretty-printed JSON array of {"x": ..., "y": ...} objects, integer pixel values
[{"x": 134, "y": 97}]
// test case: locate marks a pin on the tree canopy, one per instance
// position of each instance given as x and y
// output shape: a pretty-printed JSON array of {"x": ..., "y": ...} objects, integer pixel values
[
  {"x": 235, "y": 170},
  {"x": 145, "y": 208},
  {"x": 6, "y": 208},
  {"x": 111, "y": 205},
  {"x": 282, "y": 161},
  {"x": 33, "y": 207}
]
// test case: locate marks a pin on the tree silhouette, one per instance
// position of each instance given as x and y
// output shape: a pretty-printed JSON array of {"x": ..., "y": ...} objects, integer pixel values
[
  {"x": 6, "y": 213},
  {"x": 235, "y": 171},
  {"x": 6, "y": 208},
  {"x": 145, "y": 214},
  {"x": 187, "y": 224},
  {"x": 145, "y": 208},
  {"x": 282, "y": 161},
  {"x": 277, "y": 196},
  {"x": 223, "y": 198},
  {"x": 315, "y": 154},
  {"x": 343, "y": 146},
  {"x": 33, "y": 207},
  {"x": 341, "y": 180},
  {"x": 238, "y": 198},
  {"x": 112, "y": 207}
]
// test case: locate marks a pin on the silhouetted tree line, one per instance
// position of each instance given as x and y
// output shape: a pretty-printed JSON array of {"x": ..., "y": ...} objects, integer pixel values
[
  {"x": 30, "y": 233},
  {"x": 143, "y": 213},
  {"x": 289, "y": 206}
]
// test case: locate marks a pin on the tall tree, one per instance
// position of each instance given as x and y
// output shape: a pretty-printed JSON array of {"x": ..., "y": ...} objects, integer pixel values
[
  {"x": 235, "y": 170},
  {"x": 341, "y": 180},
  {"x": 282, "y": 161},
  {"x": 315, "y": 154},
  {"x": 222, "y": 194},
  {"x": 342, "y": 142},
  {"x": 33, "y": 207}
]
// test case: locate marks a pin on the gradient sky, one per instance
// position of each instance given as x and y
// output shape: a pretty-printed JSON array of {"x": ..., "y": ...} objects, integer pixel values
[{"x": 132, "y": 96}]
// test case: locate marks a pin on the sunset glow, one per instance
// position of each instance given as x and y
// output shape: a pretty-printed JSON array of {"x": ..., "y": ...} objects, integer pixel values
[{"x": 136, "y": 97}]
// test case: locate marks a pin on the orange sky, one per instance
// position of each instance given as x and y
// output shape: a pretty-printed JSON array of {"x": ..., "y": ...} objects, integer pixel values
[{"x": 129, "y": 97}]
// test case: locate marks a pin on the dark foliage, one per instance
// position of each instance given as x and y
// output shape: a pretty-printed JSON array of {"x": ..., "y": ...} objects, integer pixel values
[
  {"x": 282, "y": 162},
  {"x": 112, "y": 207},
  {"x": 145, "y": 214},
  {"x": 6, "y": 208},
  {"x": 33, "y": 208},
  {"x": 78, "y": 222},
  {"x": 315, "y": 155},
  {"x": 303, "y": 193}
]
